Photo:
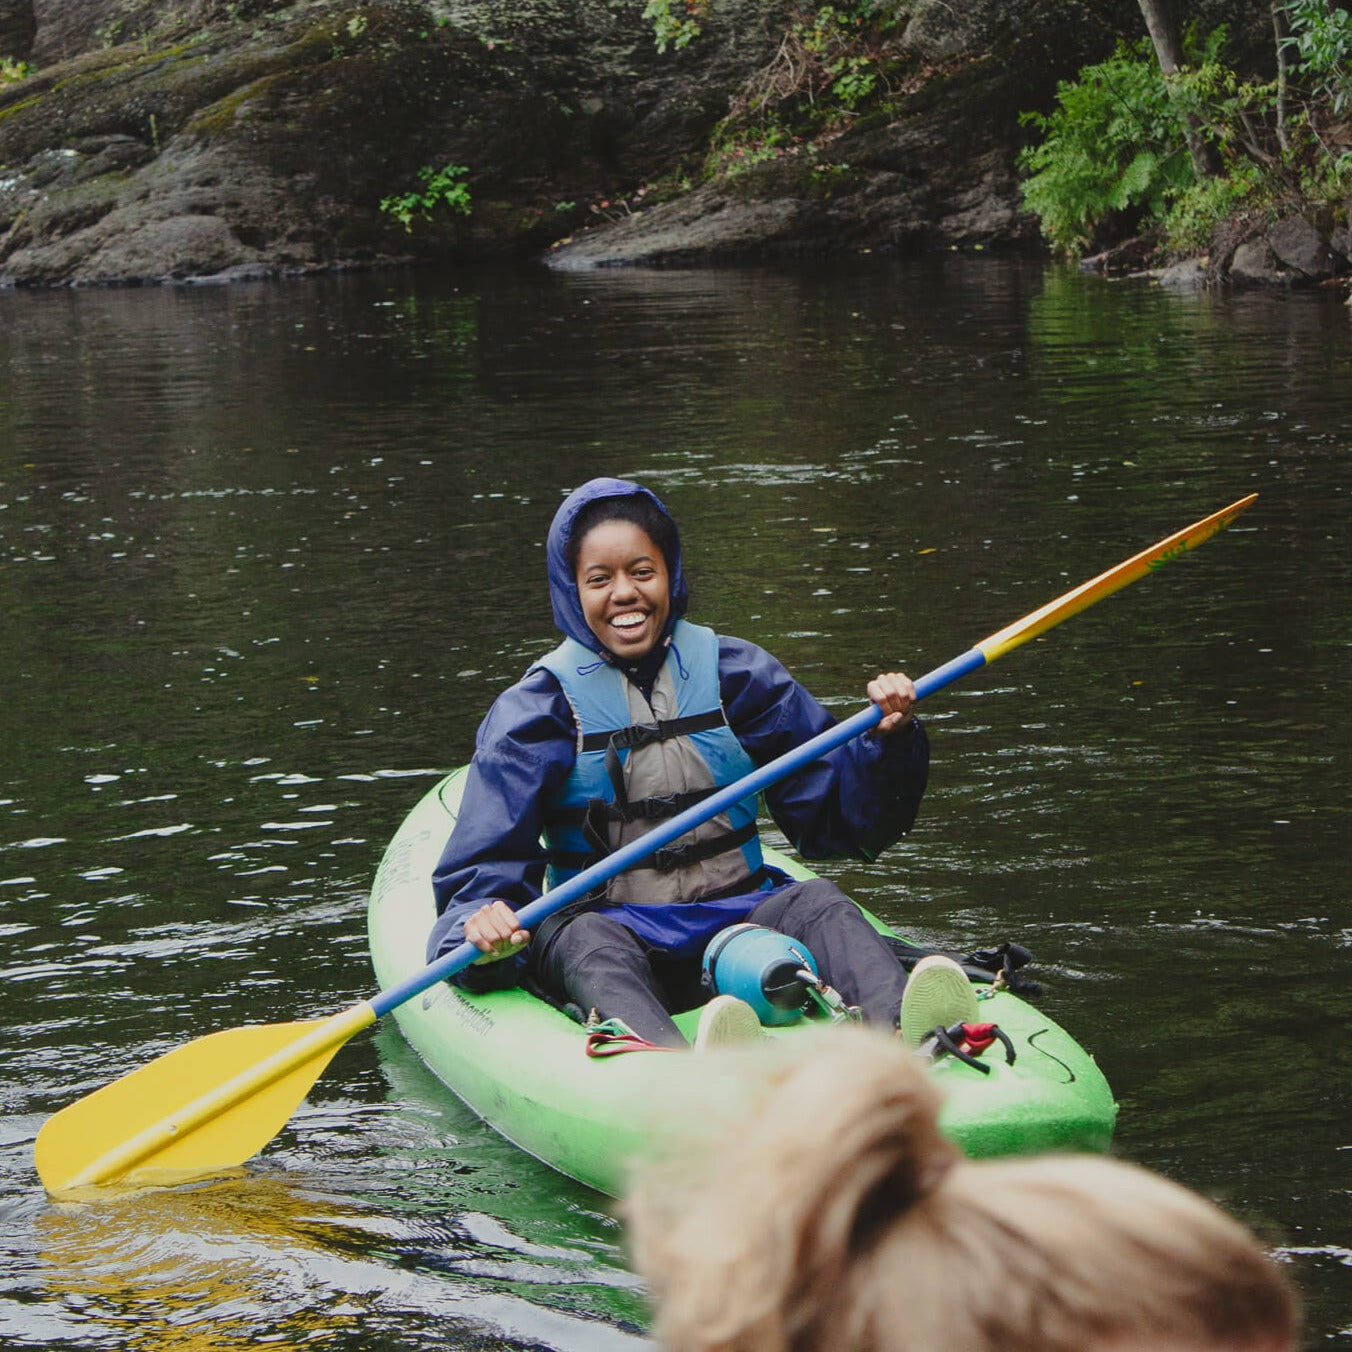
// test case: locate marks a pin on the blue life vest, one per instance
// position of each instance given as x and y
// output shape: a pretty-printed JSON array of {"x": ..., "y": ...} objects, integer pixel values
[{"x": 641, "y": 760}]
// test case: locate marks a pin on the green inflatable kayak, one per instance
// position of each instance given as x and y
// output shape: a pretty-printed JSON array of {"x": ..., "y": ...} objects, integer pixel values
[{"x": 521, "y": 1064}]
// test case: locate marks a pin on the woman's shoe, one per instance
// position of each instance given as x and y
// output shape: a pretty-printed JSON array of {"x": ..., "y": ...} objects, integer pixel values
[
  {"x": 937, "y": 995},
  {"x": 726, "y": 1021}
]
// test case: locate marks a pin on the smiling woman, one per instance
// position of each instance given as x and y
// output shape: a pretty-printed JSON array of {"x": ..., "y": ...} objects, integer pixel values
[{"x": 637, "y": 716}]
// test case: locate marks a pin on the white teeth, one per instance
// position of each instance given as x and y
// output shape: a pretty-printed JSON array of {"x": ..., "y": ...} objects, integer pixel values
[{"x": 631, "y": 621}]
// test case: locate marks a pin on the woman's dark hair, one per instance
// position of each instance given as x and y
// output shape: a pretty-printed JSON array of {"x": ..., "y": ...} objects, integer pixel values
[{"x": 636, "y": 508}]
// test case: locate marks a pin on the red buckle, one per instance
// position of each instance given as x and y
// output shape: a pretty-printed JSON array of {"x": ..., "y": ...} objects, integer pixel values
[{"x": 976, "y": 1037}]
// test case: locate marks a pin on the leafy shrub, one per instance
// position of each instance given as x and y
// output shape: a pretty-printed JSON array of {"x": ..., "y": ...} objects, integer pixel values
[
  {"x": 1116, "y": 142},
  {"x": 443, "y": 188},
  {"x": 1321, "y": 38},
  {"x": 1113, "y": 142},
  {"x": 675, "y": 22},
  {"x": 1234, "y": 114},
  {"x": 832, "y": 60},
  {"x": 734, "y": 151},
  {"x": 852, "y": 81},
  {"x": 1191, "y": 220},
  {"x": 11, "y": 72}
]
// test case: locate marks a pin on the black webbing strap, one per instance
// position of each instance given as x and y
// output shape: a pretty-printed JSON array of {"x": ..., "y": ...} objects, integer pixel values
[
  {"x": 644, "y": 734},
  {"x": 1001, "y": 963},
  {"x": 678, "y": 856}
]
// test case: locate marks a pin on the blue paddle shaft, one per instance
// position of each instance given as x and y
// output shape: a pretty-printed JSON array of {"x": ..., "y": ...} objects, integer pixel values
[{"x": 636, "y": 851}]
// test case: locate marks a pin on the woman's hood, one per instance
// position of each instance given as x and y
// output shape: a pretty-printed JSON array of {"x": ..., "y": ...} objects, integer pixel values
[{"x": 563, "y": 584}]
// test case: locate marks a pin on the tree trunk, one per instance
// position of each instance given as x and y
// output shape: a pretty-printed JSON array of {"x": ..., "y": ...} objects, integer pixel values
[
  {"x": 1279, "y": 34},
  {"x": 1162, "y": 24}
]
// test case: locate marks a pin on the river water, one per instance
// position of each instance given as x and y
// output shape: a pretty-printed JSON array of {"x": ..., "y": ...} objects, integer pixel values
[{"x": 268, "y": 552}]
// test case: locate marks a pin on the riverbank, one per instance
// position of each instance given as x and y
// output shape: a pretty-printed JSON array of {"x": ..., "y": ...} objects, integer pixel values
[
  {"x": 210, "y": 141},
  {"x": 226, "y": 140},
  {"x": 1296, "y": 251}
]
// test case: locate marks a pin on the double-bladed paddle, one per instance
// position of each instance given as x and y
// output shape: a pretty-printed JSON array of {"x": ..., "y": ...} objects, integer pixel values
[{"x": 214, "y": 1102}]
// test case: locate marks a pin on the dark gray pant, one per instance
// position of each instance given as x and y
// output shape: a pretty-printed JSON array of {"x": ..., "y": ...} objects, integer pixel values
[{"x": 596, "y": 963}]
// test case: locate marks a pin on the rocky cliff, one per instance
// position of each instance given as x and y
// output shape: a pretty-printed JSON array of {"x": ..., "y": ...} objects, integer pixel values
[
  {"x": 212, "y": 139},
  {"x": 227, "y": 138}
]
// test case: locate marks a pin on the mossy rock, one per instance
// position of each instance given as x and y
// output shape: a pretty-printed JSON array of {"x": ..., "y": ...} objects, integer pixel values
[
  {"x": 64, "y": 213},
  {"x": 801, "y": 176}
]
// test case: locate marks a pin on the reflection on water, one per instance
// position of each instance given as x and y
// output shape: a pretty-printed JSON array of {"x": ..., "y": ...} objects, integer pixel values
[
  {"x": 268, "y": 552},
  {"x": 288, "y": 1253},
  {"x": 239, "y": 1262}
]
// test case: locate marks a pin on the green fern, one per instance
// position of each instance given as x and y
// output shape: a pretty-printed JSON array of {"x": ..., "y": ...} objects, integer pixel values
[{"x": 1113, "y": 143}]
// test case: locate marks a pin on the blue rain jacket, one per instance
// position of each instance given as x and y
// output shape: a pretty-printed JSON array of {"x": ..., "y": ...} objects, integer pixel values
[{"x": 853, "y": 802}]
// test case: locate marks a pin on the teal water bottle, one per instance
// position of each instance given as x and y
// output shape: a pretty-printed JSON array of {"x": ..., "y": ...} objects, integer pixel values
[{"x": 762, "y": 967}]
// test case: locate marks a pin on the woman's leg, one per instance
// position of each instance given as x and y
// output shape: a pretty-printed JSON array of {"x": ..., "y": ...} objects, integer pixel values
[
  {"x": 598, "y": 964},
  {"x": 851, "y": 955}
]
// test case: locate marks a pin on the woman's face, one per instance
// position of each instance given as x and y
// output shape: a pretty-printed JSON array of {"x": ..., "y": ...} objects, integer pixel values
[{"x": 624, "y": 588}]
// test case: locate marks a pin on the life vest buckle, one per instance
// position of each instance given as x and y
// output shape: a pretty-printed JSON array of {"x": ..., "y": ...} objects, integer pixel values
[
  {"x": 674, "y": 856},
  {"x": 637, "y": 735}
]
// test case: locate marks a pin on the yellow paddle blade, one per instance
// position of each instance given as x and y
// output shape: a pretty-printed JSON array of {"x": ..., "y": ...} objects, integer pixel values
[
  {"x": 205, "y": 1106},
  {"x": 1088, "y": 593}
]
